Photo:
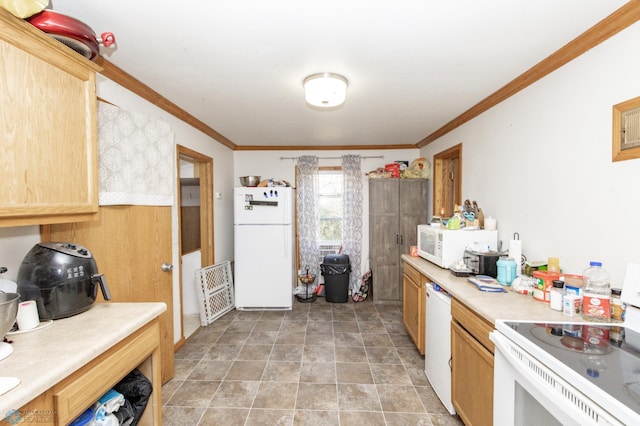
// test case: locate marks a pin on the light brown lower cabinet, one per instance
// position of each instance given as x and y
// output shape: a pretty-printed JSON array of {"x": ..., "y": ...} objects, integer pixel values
[
  {"x": 413, "y": 305},
  {"x": 472, "y": 366},
  {"x": 66, "y": 400}
]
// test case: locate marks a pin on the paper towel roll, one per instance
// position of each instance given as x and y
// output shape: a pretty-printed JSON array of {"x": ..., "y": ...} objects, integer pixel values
[
  {"x": 28, "y": 315},
  {"x": 515, "y": 252},
  {"x": 490, "y": 223}
]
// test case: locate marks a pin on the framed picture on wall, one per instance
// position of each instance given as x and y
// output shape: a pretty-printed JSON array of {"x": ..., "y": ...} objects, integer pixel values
[{"x": 626, "y": 130}]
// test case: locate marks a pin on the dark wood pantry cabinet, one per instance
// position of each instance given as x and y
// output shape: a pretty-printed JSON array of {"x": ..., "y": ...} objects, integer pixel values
[{"x": 396, "y": 207}]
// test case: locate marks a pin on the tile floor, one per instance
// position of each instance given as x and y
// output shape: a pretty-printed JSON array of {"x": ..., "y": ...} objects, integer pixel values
[{"x": 318, "y": 364}]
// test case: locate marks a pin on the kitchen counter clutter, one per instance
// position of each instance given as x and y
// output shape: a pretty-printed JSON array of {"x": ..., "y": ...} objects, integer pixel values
[
  {"x": 489, "y": 305},
  {"x": 65, "y": 367}
]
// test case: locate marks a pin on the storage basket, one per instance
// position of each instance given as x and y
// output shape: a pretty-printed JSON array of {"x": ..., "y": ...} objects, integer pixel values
[{"x": 215, "y": 292}]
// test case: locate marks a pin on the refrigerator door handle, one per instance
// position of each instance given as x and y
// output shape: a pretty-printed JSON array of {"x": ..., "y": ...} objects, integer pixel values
[{"x": 263, "y": 203}]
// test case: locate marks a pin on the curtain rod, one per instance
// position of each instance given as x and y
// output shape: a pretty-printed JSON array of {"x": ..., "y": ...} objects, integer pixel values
[{"x": 332, "y": 158}]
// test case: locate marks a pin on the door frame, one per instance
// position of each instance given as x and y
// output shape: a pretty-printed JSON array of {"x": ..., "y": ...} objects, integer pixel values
[
  {"x": 447, "y": 180},
  {"x": 203, "y": 169}
]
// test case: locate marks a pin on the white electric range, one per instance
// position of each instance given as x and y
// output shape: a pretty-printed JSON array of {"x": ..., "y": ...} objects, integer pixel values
[{"x": 570, "y": 373}]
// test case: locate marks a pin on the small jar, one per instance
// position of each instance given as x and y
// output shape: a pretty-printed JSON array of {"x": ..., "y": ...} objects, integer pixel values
[
  {"x": 556, "y": 294},
  {"x": 618, "y": 308}
]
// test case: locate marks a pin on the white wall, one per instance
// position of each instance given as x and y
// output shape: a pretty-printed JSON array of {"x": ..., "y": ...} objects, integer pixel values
[
  {"x": 268, "y": 164},
  {"x": 189, "y": 137},
  {"x": 540, "y": 162}
]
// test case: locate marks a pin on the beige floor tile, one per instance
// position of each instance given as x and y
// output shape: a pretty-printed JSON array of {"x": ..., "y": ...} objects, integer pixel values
[
  {"x": 390, "y": 374},
  {"x": 286, "y": 353},
  {"x": 316, "y": 418},
  {"x": 353, "y": 373},
  {"x": 264, "y": 417},
  {"x": 345, "y": 327},
  {"x": 276, "y": 395},
  {"x": 291, "y": 338},
  {"x": 319, "y": 338},
  {"x": 184, "y": 367},
  {"x": 246, "y": 370},
  {"x": 194, "y": 393},
  {"x": 313, "y": 353},
  {"x": 318, "y": 372},
  {"x": 357, "y": 418},
  {"x": 254, "y": 352},
  {"x": 377, "y": 340},
  {"x": 399, "y": 398},
  {"x": 383, "y": 355},
  {"x": 193, "y": 351},
  {"x": 351, "y": 354},
  {"x": 224, "y": 416},
  {"x": 221, "y": 351},
  {"x": 235, "y": 394},
  {"x": 233, "y": 337},
  {"x": 241, "y": 326},
  {"x": 314, "y": 396},
  {"x": 282, "y": 371},
  {"x": 210, "y": 370},
  {"x": 181, "y": 416},
  {"x": 348, "y": 339},
  {"x": 268, "y": 325},
  {"x": 407, "y": 418},
  {"x": 358, "y": 397},
  {"x": 262, "y": 337}
]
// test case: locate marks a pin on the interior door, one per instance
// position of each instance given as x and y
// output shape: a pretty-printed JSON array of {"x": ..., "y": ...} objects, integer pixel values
[{"x": 130, "y": 245}]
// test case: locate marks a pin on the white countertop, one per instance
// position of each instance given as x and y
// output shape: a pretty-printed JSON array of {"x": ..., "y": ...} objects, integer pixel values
[
  {"x": 491, "y": 306},
  {"x": 44, "y": 357}
]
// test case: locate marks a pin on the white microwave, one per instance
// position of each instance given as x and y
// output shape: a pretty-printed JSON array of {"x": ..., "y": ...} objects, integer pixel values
[{"x": 445, "y": 247}]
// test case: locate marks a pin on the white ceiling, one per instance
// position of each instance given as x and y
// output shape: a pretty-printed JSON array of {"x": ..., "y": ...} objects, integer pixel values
[{"x": 412, "y": 66}]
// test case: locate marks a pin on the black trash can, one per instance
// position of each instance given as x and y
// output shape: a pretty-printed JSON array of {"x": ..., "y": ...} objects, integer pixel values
[{"x": 335, "y": 269}]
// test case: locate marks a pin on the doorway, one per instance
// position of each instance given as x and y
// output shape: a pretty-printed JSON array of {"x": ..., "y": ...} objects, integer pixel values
[
  {"x": 447, "y": 181},
  {"x": 195, "y": 230}
]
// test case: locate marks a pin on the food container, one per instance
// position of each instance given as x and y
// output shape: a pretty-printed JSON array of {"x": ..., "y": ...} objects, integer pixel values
[
  {"x": 571, "y": 305},
  {"x": 545, "y": 282},
  {"x": 393, "y": 168}
]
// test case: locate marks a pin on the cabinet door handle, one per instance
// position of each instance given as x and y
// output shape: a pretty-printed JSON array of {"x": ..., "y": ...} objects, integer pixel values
[
  {"x": 401, "y": 239},
  {"x": 397, "y": 238}
]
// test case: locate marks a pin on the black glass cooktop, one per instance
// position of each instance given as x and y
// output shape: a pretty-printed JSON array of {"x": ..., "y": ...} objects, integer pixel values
[{"x": 606, "y": 355}]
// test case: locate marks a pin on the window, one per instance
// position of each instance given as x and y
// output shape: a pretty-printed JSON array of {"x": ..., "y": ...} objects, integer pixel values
[{"x": 330, "y": 210}]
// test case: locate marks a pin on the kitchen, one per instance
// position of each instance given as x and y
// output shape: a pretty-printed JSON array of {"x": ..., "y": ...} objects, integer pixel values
[{"x": 539, "y": 162}]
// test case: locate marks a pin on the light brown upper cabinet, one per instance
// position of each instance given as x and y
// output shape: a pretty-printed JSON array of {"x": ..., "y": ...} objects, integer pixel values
[{"x": 48, "y": 129}]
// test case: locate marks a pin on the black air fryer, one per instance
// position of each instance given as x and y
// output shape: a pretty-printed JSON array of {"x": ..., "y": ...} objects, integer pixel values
[{"x": 62, "y": 278}]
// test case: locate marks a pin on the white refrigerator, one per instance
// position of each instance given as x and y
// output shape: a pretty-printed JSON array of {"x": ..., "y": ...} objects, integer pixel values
[{"x": 264, "y": 248}]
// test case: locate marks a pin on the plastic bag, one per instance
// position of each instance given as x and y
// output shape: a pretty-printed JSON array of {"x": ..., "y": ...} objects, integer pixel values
[
  {"x": 136, "y": 389},
  {"x": 24, "y": 8},
  {"x": 337, "y": 269}
]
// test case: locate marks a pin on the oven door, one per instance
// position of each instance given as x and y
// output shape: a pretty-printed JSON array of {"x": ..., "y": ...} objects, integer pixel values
[{"x": 526, "y": 392}]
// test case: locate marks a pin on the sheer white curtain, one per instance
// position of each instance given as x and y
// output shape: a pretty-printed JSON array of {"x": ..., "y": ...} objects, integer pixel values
[
  {"x": 352, "y": 219},
  {"x": 308, "y": 216}
]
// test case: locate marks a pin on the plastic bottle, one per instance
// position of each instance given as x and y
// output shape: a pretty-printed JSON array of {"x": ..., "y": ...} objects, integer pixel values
[
  {"x": 596, "y": 298},
  {"x": 556, "y": 295}
]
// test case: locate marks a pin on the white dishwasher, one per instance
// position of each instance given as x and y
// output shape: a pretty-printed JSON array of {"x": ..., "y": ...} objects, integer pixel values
[{"x": 437, "y": 357}]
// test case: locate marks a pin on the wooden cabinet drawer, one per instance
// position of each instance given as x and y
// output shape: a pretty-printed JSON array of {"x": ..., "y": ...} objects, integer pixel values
[
  {"x": 83, "y": 388},
  {"x": 413, "y": 273},
  {"x": 478, "y": 327}
]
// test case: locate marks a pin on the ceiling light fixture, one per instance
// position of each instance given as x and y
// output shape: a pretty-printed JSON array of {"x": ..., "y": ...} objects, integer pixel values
[{"x": 325, "y": 90}]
